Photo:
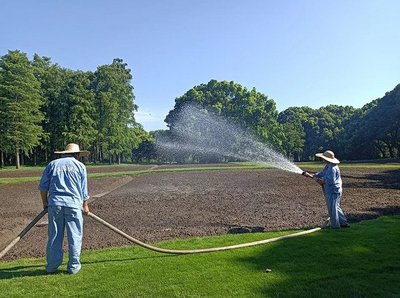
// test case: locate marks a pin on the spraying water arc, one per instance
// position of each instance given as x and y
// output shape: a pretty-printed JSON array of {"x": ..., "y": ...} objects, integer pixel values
[{"x": 200, "y": 132}]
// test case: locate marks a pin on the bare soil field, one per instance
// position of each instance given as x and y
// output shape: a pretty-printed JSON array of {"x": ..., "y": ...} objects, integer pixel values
[{"x": 161, "y": 206}]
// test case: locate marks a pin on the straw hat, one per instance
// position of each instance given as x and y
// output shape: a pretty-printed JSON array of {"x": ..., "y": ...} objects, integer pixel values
[
  {"x": 328, "y": 156},
  {"x": 72, "y": 148}
]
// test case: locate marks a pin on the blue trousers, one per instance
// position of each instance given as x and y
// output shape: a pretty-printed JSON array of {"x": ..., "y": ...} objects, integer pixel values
[
  {"x": 60, "y": 219},
  {"x": 335, "y": 211}
]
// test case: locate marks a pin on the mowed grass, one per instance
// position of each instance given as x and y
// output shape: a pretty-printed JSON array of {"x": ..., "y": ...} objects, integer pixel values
[{"x": 363, "y": 261}]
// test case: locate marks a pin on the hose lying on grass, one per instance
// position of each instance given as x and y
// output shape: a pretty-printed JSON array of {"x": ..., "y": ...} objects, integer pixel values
[
  {"x": 197, "y": 251},
  {"x": 153, "y": 248}
]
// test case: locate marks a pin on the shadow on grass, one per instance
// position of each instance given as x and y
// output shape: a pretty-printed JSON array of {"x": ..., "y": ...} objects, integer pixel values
[
  {"x": 36, "y": 270},
  {"x": 127, "y": 259},
  {"x": 363, "y": 261},
  {"x": 22, "y": 271}
]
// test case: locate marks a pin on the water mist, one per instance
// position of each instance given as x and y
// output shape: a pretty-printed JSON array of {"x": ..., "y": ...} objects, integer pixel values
[{"x": 201, "y": 132}]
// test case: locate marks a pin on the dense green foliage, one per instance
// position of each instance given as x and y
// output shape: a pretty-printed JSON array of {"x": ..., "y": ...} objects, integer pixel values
[
  {"x": 299, "y": 132},
  {"x": 320, "y": 128},
  {"x": 374, "y": 130},
  {"x": 44, "y": 106},
  {"x": 20, "y": 101},
  {"x": 251, "y": 109},
  {"x": 351, "y": 262}
]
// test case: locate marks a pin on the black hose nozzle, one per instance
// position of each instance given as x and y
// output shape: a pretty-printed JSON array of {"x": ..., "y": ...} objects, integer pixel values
[{"x": 304, "y": 173}]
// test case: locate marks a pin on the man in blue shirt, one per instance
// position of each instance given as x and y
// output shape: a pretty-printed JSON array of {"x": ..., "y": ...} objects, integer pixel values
[
  {"x": 331, "y": 182},
  {"x": 64, "y": 191}
]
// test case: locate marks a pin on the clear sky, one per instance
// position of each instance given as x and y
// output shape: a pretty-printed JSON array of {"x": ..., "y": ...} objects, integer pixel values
[{"x": 298, "y": 52}]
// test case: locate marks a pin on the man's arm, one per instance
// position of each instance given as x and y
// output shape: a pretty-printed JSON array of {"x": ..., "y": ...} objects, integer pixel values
[
  {"x": 44, "y": 195},
  {"x": 85, "y": 192},
  {"x": 316, "y": 177}
]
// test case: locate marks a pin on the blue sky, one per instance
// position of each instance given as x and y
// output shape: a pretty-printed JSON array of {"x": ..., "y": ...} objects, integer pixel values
[{"x": 298, "y": 52}]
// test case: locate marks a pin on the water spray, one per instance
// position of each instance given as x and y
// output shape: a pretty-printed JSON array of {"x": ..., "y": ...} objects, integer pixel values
[{"x": 201, "y": 132}]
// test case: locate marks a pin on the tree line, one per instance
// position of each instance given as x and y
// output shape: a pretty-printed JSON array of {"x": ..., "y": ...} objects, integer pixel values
[
  {"x": 370, "y": 132},
  {"x": 44, "y": 106}
]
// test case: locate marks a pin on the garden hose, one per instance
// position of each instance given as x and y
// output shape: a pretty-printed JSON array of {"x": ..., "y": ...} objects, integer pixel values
[
  {"x": 197, "y": 251},
  {"x": 153, "y": 248}
]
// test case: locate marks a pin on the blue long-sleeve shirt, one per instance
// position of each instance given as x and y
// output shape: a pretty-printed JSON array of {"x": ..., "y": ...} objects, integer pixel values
[
  {"x": 332, "y": 179},
  {"x": 65, "y": 179}
]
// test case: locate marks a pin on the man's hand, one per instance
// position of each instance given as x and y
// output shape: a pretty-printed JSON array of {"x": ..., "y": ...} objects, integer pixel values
[
  {"x": 307, "y": 174},
  {"x": 85, "y": 208}
]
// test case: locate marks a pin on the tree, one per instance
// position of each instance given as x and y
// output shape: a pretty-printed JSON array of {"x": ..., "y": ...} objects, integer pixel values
[
  {"x": 78, "y": 98},
  {"x": 251, "y": 110},
  {"x": 322, "y": 127},
  {"x": 115, "y": 110},
  {"x": 20, "y": 101},
  {"x": 374, "y": 131},
  {"x": 306, "y": 117},
  {"x": 293, "y": 142},
  {"x": 52, "y": 80},
  {"x": 145, "y": 150}
]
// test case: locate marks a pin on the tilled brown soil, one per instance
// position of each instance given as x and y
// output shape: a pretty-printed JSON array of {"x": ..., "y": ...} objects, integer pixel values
[{"x": 162, "y": 206}]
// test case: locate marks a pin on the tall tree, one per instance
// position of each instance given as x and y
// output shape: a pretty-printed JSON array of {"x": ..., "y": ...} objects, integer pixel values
[
  {"x": 52, "y": 79},
  {"x": 322, "y": 127},
  {"x": 2, "y": 128},
  {"x": 293, "y": 142},
  {"x": 78, "y": 98},
  {"x": 374, "y": 132},
  {"x": 20, "y": 101},
  {"x": 250, "y": 109},
  {"x": 115, "y": 109}
]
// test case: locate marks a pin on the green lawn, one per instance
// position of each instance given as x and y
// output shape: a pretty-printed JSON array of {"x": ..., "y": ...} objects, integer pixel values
[{"x": 363, "y": 261}]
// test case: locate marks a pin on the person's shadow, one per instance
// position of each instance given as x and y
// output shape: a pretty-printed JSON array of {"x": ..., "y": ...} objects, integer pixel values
[
  {"x": 22, "y": 271},
  {"x": 38, "y": 270}
]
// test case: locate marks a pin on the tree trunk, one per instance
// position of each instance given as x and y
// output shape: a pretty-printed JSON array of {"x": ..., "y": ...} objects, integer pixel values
[
  {"x": 35, "y": 157},
  {"x": 381, "y": 149},
  {"x": 17, "y": 164},
  {"x": 2, "y": 158},
  {"x": 101, "y": 156},
  {"x": 94, "y": 156}
]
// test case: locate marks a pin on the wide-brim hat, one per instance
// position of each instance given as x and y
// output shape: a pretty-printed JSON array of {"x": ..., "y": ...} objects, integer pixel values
[
  {"x": 328, "y": 156},
  {"x": 73, "y": 148}
]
